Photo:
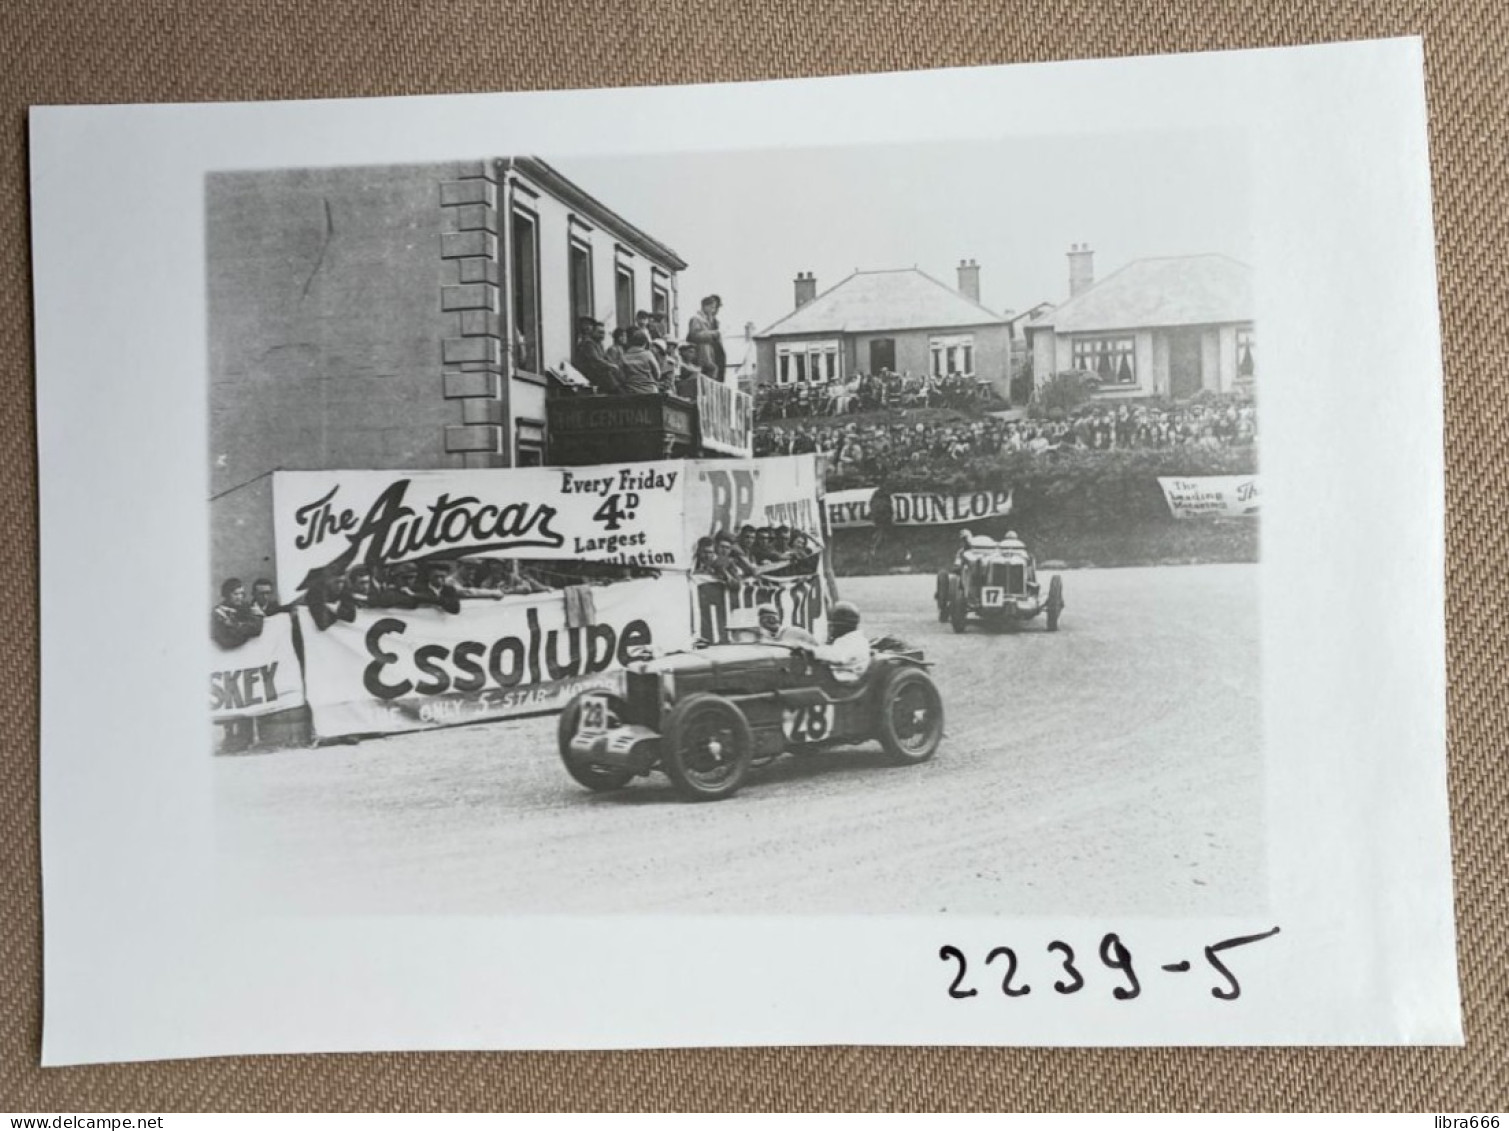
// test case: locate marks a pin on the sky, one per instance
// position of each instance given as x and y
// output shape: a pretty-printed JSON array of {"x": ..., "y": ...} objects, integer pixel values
[{"x": 747, "y": 222}]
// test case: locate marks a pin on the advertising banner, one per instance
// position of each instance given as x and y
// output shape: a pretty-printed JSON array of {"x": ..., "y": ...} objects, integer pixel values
[
  {"x": 728, "y": 494},
  {"x": 409, "y": 669},
  {"x": 258, "y": 677},
  {"x": 629, "y": 514},
  {"x": 925, "y": 508},
  {"x": 726, "y": 418},
  {"x": 1213, "y": 496},
  {"x": 800, "y": 601},
  {"x": 849, "y": 510}
]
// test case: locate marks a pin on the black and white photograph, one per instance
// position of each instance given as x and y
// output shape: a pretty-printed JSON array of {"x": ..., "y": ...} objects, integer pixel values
[
  {"x": 901, "y": 503},
  {"x": 932, "y": 558}
]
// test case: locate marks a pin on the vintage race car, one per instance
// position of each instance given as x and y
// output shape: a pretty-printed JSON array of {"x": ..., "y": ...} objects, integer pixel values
[
  {"x": 705, "y": 717},
  {"x": 996, "y": 582}
]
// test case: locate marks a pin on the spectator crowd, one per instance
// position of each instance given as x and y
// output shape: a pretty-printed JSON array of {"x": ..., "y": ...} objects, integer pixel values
[
  {"x": 756, "y": 551},
  {"x": 643, "y": 359},
  {"x": 335, "y": 595},
  {"x": 873, "y": 448},
  {"x": 866, "y": 392}
]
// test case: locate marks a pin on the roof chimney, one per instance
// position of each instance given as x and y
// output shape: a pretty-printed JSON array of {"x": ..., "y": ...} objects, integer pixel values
[
  {"x": 969, "y": 279},
  {"x": 806, "y": 288},
  {"x": 1081, "y": 268}
]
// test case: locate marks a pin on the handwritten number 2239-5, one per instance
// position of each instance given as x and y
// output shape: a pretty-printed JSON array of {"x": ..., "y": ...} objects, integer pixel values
[{"x": 1113, "y": 954}]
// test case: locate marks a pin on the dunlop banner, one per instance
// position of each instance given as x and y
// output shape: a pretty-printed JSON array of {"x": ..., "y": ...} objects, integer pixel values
[
  {"x": 923, "y": 508},
  {"x": 726, "y": 418},
  {"x": 1214, "y": 496},
  {"x": 397, "y": 670},
  {"x": 628, "y": 514},
  {"x": 258, "y": 677}
]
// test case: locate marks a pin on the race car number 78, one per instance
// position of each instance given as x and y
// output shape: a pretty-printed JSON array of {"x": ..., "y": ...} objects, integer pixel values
[{"x": 808, "y": 723}]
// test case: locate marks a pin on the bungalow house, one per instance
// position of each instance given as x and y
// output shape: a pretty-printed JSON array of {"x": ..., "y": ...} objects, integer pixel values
[
  {"x": 902, "y": 320},
  {"x": 1171, "y": 326}
]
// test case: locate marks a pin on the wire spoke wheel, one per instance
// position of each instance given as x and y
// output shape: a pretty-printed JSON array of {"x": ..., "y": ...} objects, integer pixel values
[
  {"x": 911, "y": 719},
  {"x": 708, "y": 748}
]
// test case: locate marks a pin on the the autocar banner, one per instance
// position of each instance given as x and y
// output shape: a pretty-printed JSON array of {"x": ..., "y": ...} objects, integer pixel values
[
  {"x": 629, "y": 514},
  {"x": 927, "y": 508},
  {"x": 1213, "y": 496},
  {"x": 258, "y": 677},
  {"x": 396, "y": 670}
]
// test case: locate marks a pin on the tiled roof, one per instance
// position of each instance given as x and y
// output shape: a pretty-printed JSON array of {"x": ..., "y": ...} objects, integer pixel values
[
  {"x": 869, "y": 301},
  {"x": 1179, "y": 290}
]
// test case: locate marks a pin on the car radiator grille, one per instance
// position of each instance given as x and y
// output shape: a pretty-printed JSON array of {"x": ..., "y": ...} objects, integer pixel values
[
  {"x": 1010, "y": 576},
  {"x": 644, "y": 699}
]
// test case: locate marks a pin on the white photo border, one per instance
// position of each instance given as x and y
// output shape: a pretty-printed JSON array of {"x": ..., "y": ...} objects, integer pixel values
[{"x": 142, "y": 961}]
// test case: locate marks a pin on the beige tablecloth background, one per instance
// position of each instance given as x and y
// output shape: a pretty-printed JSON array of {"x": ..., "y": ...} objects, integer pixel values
[{"x": 68, "y": 51}]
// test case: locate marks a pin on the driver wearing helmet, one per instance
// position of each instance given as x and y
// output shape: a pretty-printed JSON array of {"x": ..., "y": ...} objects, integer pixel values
[{"x": 847, "y": 652}]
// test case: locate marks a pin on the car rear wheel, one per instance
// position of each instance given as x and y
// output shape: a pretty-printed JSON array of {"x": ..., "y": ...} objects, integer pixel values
[
  {"x": 708, "y": 748},
  {"x": 602, "y": 779},
  {"x": 911, "y": 716},
  {"x": 943, "y": 594},
  {"x": 1055, "y": 602}
]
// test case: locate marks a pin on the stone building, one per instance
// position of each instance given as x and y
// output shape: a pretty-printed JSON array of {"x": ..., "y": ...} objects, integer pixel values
[{"x": 399, "y": 317}]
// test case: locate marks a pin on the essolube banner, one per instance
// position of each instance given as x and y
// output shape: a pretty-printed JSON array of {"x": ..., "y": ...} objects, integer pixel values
[{"x": 392, "y": 670}]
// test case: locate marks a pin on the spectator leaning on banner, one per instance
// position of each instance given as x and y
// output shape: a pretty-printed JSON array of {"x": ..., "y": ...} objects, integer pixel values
[
  {"x": 329, "y": 600},
  {"x": 265, "y": 597},
  {"x": 234, "y": 621}
]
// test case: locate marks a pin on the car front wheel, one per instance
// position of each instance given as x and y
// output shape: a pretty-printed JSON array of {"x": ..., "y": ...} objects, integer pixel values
[
  {"x": 707, "y": 748},
  {"x": 602, "y": 779},
  {"x": 911, "y": 716}
]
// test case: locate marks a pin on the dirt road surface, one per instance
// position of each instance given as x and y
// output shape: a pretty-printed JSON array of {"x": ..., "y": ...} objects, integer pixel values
[{"x": 1115, "y": 766}]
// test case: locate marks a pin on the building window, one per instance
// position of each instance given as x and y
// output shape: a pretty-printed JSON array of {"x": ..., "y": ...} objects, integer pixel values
[
  {"x": 623, "y": 296},
  {"x": 1113, "y": 360},
  {"x": 800, "y": 362},
  {"x": 1246, "y": 346},
  {"x": 524, "y": 270},
  {"x": 953, "y": 354},
  {"x": 660, "y": 305},
  {"x": 529, "y": 443},
  {"x": 582, "y": 305}
]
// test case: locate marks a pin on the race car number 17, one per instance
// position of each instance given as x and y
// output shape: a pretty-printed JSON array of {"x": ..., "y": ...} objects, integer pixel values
[{"x": 810, "y": 722}]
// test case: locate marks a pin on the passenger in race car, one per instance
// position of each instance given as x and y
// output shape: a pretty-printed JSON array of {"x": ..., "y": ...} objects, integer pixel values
[
  {"x": 847, "y": 652},
  {"x": 772, "y": 631}
]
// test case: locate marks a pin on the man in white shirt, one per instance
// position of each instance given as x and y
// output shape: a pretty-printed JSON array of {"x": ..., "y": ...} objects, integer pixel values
[{"x": 847, "y": 652}]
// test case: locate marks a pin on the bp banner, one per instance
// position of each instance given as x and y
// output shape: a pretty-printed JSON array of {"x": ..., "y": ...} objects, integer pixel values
[
  {"x": 1213, "y": 496},
  {"x": 927, "y": 508},
  {"x": 409, "y": 669},
  {"x": 725, "y": 417},
  {"x": 258, "y": 677},
  {"x": 727, "y": 494},
  {"x": 848, "y": 510},
  {"x": 628, "y": 514}
]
